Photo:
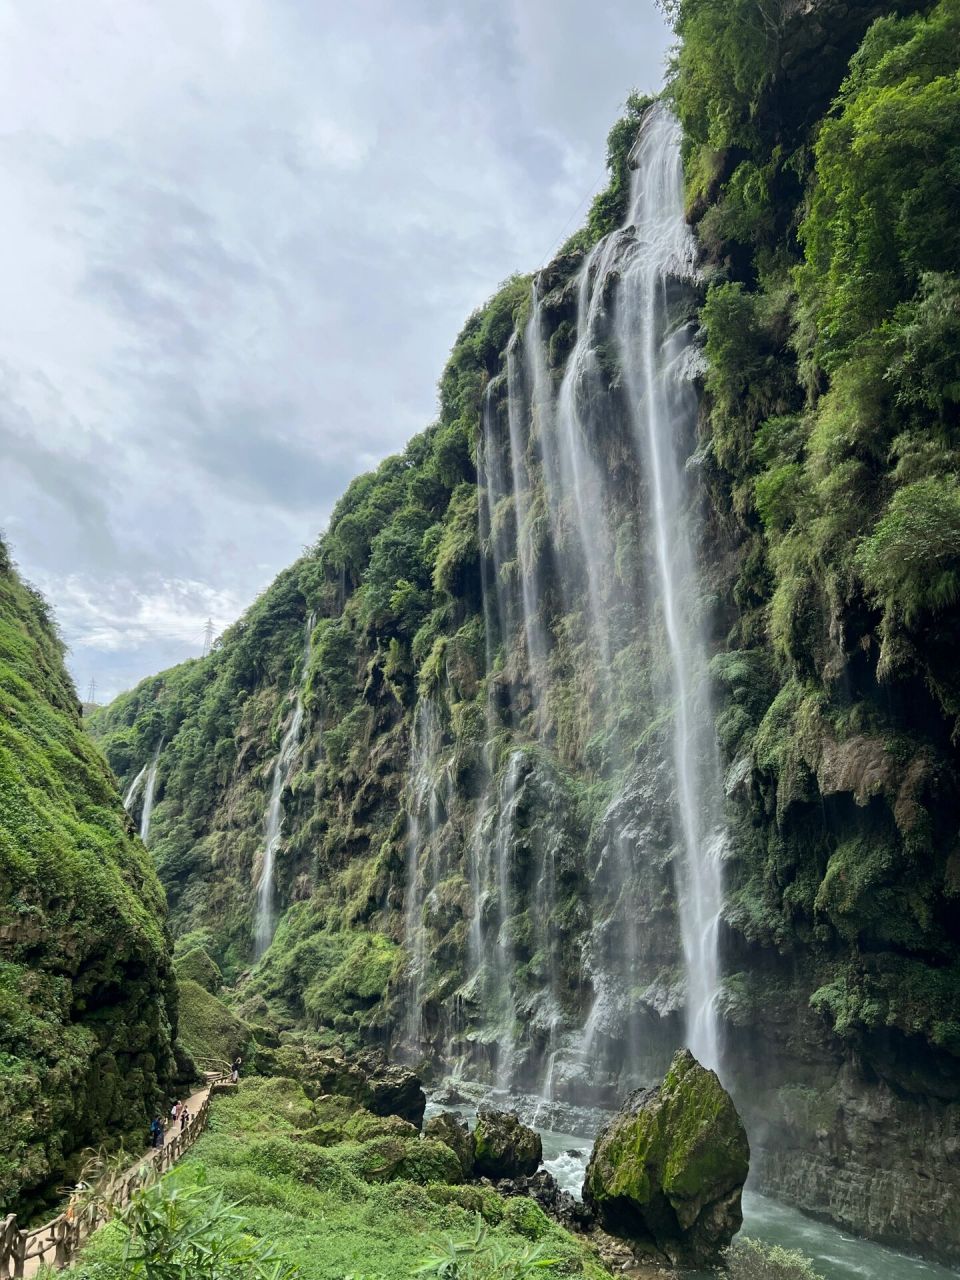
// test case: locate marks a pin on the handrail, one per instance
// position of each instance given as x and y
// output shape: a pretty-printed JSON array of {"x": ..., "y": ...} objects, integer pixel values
[{"x": 57, "y": 1242}]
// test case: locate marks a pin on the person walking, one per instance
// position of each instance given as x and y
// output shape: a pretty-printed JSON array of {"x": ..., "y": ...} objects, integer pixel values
[
  {"x": 156, "y": 1132},
  {"x": 235, "y": 1071},
  {"x": 175, "y": 1111},
  {"x": 184, "y": 1117}
]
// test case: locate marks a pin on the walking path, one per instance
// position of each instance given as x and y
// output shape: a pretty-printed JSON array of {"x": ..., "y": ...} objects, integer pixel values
[{"x": 57, "y": 1243}]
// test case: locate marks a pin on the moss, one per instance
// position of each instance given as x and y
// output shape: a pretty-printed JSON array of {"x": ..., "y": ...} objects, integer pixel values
[
  {"x": 526, "y": 1218},
  {"x": 210, "y": 1031},
  {"x": 87, "y": 1000},
  {"x": 684, "y": 1141},
  {"x": 196, "y": 965}
]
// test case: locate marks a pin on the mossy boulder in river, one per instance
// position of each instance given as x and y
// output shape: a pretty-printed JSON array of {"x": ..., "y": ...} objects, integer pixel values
[
  {"x": 504, "y": 1147},
  {"x": 669, "y": 1169}
]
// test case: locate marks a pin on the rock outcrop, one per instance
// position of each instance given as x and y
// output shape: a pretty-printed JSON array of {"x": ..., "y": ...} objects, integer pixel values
[
  {"x": 668, "y": 1170},
  {"x": 449, "y": 1128},
  {"x": 367, "y": 1078},
  {"x": 504, "y": 1147}
]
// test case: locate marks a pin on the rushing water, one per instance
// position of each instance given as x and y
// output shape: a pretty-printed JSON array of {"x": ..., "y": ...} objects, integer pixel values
[
  {"x": 655, "y": 363},
  {"x": 834, "y": 1253},
  {"x": 588, "y": 525},
  {"x": 282, "y": 773},
  {"x": 133, "y": 790},
  {"x": 149, "y": 790}
]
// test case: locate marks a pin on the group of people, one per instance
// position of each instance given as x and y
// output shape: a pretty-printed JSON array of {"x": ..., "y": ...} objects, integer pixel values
[
  {"x": 158, "y": 1127},
  {"x": 180, "y": 1112}
]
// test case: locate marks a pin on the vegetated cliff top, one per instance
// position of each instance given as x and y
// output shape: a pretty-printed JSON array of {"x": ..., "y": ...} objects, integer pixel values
[{"x": 86, "y": 994}]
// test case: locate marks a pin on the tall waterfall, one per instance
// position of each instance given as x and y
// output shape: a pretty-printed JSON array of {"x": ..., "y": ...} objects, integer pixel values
[
  {"x": 149, "y": 789},
  {"x": 282, "y": 772},
  {"x": 596, "y": 659},
  {"x": 655, "y": 361}
]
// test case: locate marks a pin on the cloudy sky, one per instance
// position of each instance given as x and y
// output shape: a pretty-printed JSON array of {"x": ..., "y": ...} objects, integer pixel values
[{"x": 237, "y": 239}]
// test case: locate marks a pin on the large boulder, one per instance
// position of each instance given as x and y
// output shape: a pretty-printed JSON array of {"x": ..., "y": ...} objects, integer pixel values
[
  {"x": 667, "y": 1171},
  {"x": 504, "y": 1147},
  {"x": 449, "y": 1128}
]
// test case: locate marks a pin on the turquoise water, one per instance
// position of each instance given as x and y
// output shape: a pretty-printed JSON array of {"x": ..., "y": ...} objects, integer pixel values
[{"x": 835, "y": 1254}]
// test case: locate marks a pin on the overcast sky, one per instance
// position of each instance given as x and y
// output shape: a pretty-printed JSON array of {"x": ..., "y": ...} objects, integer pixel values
[{"x": 237, "y": 240}]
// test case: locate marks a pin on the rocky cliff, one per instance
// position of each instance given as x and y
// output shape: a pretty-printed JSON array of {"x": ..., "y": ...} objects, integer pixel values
[
  {"x": 481, "y": 844},
  {"x": 87, "y": 999}
]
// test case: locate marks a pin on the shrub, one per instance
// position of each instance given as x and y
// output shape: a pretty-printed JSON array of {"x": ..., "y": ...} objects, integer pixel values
[{"x": 751, "y": 1260}]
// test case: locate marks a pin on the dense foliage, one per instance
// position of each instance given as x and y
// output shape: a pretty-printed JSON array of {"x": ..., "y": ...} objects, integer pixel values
[
  {"x": 831, "y": 322},
  {"x": 86, "y": 992}
]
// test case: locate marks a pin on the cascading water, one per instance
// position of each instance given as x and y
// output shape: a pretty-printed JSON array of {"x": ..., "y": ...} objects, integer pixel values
[
  {"x": 588, "y": 528},
  {"x": 281, "y": 775},
  {"x": 149, "y": 789},
  {"x": 423, "y": 816},
  {"x": 655, "y": 355},
  {"x": 133, "y": 790}
]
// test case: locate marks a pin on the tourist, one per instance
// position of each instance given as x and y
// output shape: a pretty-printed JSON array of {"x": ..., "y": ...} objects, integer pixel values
[
  {"x": 235, "y": 1073},
  {"x": 175, "y": 1111},
  {"x": 184, "y": 1117},
  {"x": 156, "y": 1132}
]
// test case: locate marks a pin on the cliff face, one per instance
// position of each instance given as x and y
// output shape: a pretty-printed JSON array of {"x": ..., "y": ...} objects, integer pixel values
[
  {"x": 87, "y": 1000},
  {"x": 482, "y": 835}
]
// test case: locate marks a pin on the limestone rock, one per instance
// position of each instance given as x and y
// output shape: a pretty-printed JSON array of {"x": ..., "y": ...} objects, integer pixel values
[
  {"x": 668, "y": 1170},
  {"x": 449, "y": 1128},
  {"x": 504, "y": 1147}
]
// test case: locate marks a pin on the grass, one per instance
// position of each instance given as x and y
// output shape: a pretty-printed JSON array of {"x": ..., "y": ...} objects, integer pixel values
[{"x": 328, "y": 1211}]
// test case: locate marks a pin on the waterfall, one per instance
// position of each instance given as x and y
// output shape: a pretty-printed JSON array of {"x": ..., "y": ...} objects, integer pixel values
[
  {"x": 423, "y": 815},
  {"x": 133, "y": 790},
  {"x": 656, "y": 355},
  {"x": 596, "y": 655},
  {"x": 149, "y": 788},
  {"x": 281, "y": 774}
]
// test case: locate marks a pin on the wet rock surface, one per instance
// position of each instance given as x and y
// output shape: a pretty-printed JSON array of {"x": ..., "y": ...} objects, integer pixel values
[
  {"x": 667, "y": 1172},
  {"x": 504, "y": 1147}
]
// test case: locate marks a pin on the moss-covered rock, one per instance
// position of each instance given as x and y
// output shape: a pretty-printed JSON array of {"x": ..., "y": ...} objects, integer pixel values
[
  {"x": 383, "y": 1088},
  {"x": 449, "y": 1128},
  {"x": 504, "y": 1147},
  {"x": 87, "y": 995},
  {"x": 197, "y": 965},
  {"x": 669, "y": 1169},
  {"x": 209, "y": 1031}
]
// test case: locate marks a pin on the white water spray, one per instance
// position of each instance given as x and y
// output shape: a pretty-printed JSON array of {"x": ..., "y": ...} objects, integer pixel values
[
  {"x": 148, "y": 793},
  {"x": 133, "y": 790},
  {"x": 656, "y": 356},
  {"x": 282, "y": 773}
]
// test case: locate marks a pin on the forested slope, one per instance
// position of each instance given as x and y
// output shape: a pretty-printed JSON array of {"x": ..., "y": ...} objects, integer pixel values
[{"x": 87, "y": 1000}]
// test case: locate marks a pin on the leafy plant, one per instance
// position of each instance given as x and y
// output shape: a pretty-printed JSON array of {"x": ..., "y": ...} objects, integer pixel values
[
  {"x": 184, "y": 1231},
  {"x": 484, "y": 1256},
  {"x": 751, "y": 1260}
]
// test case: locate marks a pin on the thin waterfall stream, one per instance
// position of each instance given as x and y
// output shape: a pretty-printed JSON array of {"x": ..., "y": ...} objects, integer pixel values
[
  {"x": 281, "y": 775},
  {"x": 149, "y": 790}
]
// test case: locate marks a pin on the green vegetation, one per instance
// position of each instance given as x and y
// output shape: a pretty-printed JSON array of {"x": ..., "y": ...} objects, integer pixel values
[
  {"x": 831, "y": 320},
  {"x": 87, "y": 1001},
  {"x": 209, "y": 1031},
  {"x": 752, "y": 1260},
  {"x": 347, "y": 1208}
]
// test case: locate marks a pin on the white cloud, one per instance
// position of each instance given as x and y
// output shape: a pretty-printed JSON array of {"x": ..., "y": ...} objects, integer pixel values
[{"x": 238, "y": 238}]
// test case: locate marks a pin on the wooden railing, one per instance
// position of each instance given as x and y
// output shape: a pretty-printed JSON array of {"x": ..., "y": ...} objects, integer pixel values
[{"x": 58, "y": 1242}]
